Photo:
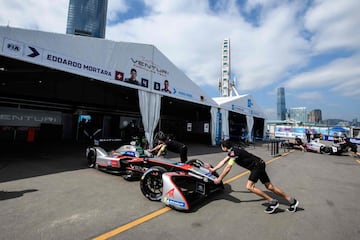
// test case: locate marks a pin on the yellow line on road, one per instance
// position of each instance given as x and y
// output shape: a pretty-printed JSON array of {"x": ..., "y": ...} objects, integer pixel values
[
  {"x": 132, "y": 224},
  {"x": 161, "y": 211}
]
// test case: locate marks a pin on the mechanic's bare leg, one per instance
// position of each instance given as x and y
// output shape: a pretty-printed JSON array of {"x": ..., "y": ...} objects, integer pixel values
[
  {"x": 250, "y": 185},
  {"x": 277, "y": 191}
]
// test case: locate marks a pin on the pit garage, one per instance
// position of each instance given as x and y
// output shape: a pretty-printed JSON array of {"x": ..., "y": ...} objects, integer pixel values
[
  {"x": 53, "y": 86},
  {"x": 242, "y": 118}
]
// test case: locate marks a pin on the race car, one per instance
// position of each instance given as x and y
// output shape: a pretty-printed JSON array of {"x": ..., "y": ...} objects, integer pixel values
[
  {"x": 180, "y": 189},
  {"x": 127, "y": 160},
  {"x": 132, "y": 161},
  {"x": 178, "y": 185},
  {"x": 316, "y": 146}
]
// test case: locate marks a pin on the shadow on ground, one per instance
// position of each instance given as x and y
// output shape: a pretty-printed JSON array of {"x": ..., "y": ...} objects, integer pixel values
[
  {"x": 19, "y": 161},
  {"x": 4, "y": 195}
]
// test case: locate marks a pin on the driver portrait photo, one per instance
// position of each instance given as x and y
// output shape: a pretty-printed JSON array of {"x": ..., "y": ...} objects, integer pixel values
[
  {"x": 132, "y": 79},
  {"x": 166, "y": 87}
]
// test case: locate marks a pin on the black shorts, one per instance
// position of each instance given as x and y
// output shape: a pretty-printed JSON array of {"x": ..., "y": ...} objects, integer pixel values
[{"x": 259, "y": 173}]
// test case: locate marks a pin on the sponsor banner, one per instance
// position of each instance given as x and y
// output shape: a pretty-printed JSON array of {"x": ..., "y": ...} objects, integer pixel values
[
  {"x": 154, "y": 72},
  {"x": 78, "y": 66},
  {"x": 34, "y": 53},
  {"x": 355, "y": 140},
  {"x": 173, "y": 202},
  {"x": 325, "y": 133},
  {"x": 13, "y": 48},
  {"x": 28, "y": 118},
  {"x": 22, "y": 50}
]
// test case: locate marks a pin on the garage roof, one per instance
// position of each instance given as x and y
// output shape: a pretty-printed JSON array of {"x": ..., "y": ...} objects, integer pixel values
[
  {"x": 103, "y": 60},
  {"x": 243, "y": 104}
]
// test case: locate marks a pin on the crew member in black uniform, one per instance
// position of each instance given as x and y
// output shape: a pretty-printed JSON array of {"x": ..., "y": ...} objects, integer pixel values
[
  {"x": 256, "y": 166},
  {"x": 166, "y": 143},
  {"x": 347, "y": 143},
  {"x": 299, "y": 144}
]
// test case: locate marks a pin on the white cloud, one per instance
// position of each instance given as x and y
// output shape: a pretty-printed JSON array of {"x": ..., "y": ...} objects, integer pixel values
[
  {"x": 160, "y": 7},
  {"x": 341, "y": 76},
  {"x": 116, "y": 7},
  {"x": 191, "y": 37},
  {"x": 312, "y": 95},
  {"x": 32, "y": 14},
  {"x": 334, "y": 24}
]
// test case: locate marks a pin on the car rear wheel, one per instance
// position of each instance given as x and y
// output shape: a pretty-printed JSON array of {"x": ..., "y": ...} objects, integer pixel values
[
  {"x": 91, "y": 158},
  {"x": 151, "y": 183}
]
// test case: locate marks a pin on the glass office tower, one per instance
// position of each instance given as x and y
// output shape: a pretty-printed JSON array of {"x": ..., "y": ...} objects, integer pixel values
[
  {"x": 87, "y": 18},
  {"x": 315, "y": 116},
  {"x": 298, "y": 114},
  {"x": 281, "y": 108}
]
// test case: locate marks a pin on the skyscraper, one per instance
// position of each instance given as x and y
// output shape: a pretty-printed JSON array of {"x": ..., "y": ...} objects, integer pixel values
[
  {"x": 87, "y": 18},
  {"x": 298, "y": 114},
  {"x": 315, "y": 116},
  {"x": 281, "y": 108}
]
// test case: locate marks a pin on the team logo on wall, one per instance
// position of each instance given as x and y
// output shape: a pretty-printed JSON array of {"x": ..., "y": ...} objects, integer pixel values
[
  {"x": 13, "y": 47},
  {"x": 149, "y": 65}
]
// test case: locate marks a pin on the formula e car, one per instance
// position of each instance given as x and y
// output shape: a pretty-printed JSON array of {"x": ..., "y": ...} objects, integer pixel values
[
  {"x": 339, "y": 149},
  {"x": 132, "y": 161},
  {"x": 178, "y": 185},
  {"x": 180, "y": 189},
  {"x": 316, "y": 146},
  {"x": 128, "y": 160}
]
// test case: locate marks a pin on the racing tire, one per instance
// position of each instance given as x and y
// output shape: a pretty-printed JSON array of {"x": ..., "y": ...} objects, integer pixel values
[
  {"x": 328, "y": 150},
  {"x": 151, "y": 183},
  {"x": 91, "y": 158},
  {"x": 322, "y": 150},
  {"x": 195, "y": 162}
]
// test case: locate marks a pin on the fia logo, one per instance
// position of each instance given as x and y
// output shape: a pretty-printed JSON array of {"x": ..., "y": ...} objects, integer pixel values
[{"x": 13, "y": 47}]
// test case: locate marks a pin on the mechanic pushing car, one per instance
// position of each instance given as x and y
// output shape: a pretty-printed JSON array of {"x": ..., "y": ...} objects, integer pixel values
[
  {"x": 166, "y": 143},
  {"x": 256, "y": 166},
  {"x": 347, "y": 143}
]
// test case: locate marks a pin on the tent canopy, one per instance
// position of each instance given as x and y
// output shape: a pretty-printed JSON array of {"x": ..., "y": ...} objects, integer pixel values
[
  {"x": 107, "y": 61},
  {"x": 103, "y": 60},
  {"x": 243, "y": 104}
]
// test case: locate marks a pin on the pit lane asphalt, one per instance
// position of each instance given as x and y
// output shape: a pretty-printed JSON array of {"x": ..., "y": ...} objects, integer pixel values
[{"x": 49, "y": 193}]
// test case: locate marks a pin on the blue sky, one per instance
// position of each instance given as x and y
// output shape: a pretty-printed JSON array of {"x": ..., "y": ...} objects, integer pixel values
[{"x": 310, "y": 47}]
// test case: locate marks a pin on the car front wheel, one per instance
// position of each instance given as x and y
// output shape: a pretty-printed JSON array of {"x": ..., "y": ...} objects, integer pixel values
[{"x": 151, "y": 183}]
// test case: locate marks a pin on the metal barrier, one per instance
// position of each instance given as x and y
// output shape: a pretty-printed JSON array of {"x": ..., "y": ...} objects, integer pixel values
[{"x": 273, "y": 146}]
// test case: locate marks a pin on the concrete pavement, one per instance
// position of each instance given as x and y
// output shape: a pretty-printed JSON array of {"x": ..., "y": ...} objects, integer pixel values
[{"x": 52, "y": 195}]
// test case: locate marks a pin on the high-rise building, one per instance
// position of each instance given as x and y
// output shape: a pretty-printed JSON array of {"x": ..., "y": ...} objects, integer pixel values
[
  {"x": 87, "y": 18},
  {"x": 298, "y": 114},
  {"x": 281, "y": 108},
  {"x": 315, "y": 116},
  {"x": 225, "y": 85}
]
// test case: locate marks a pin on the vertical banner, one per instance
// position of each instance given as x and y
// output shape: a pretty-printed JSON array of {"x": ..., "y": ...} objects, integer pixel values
[{"x": 218, "y": 128}]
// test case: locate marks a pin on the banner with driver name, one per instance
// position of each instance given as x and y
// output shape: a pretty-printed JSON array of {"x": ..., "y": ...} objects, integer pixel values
[{"x": 100, "y": 59}]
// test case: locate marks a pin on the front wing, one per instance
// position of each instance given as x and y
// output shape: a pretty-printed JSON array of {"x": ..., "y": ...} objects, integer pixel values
[{"x": 182, "y": 191}]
